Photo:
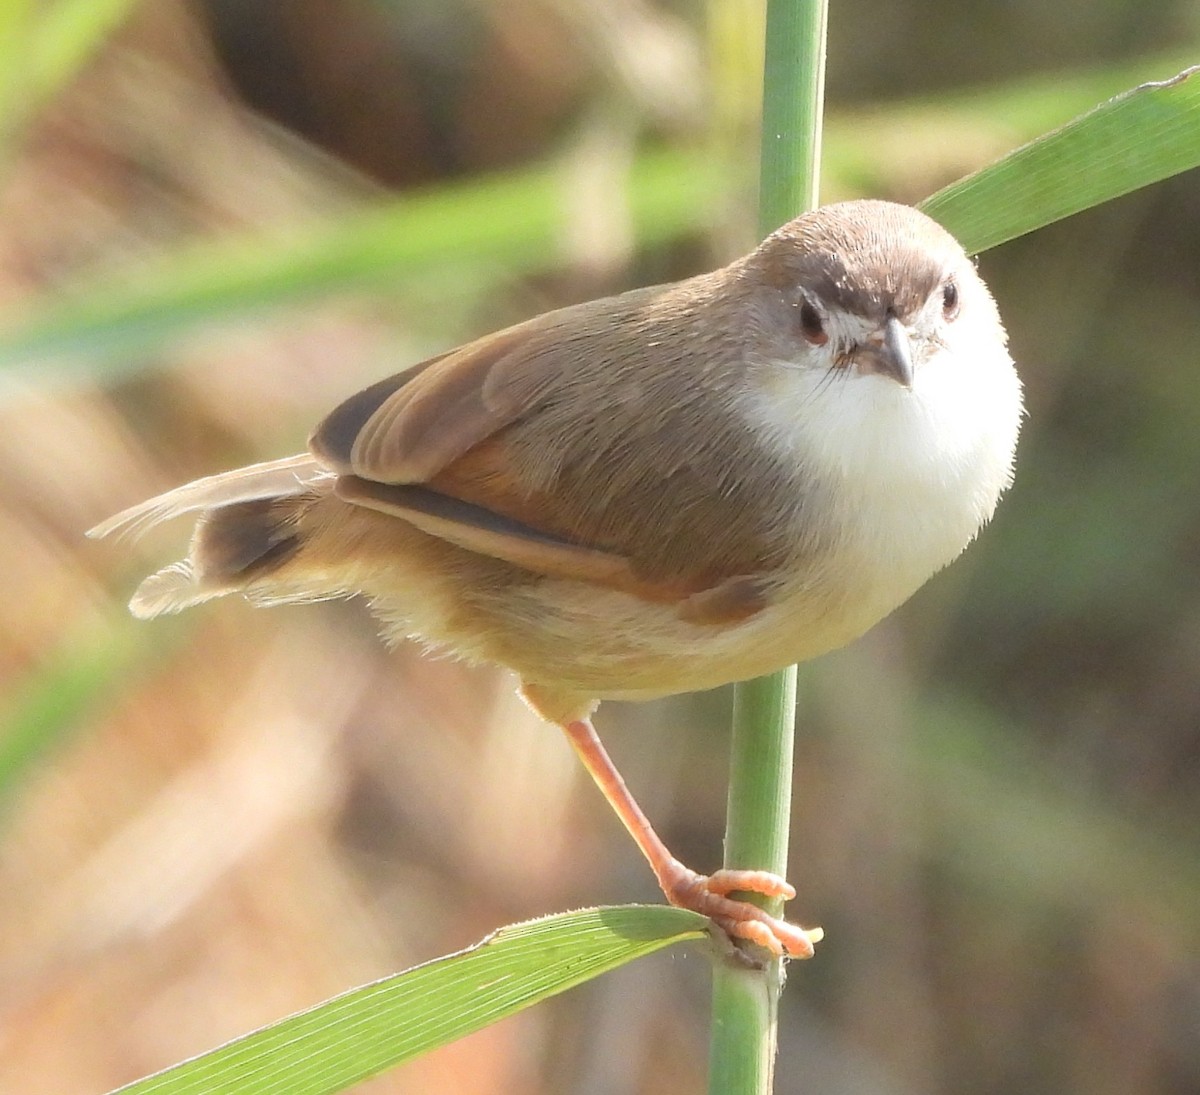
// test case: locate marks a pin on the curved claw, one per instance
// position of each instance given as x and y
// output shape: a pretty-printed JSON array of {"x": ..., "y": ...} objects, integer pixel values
[
  {"x": 708, "y": 895},
  {"x": 728, "y": 880},
  {"x": 756, "y": 932}
]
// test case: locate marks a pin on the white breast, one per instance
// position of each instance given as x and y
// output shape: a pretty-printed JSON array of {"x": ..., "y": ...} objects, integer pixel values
[{"x": 914, "y": 473}]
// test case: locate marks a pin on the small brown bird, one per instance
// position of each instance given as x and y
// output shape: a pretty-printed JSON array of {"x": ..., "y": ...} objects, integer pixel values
[{"x": 651, "y": 493}]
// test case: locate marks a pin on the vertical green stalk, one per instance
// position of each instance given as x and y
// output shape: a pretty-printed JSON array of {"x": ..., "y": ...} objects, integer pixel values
[
  {"x": 793, "y": 102},
  {"x": 16, "y": 21},
  {"x": 745, "y": 1002}
]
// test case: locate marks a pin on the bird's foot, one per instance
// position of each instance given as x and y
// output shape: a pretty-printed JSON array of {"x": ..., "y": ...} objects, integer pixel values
[{"x": 709, "y": 895}]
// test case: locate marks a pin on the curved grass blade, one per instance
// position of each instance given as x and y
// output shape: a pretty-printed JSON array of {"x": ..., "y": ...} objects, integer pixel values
[
  {"x": 369, "y": 1029},
  {"x": 45, "y": 707},
  {"x": 1140, "y": 137},
  {"x": 16, "y": 19},
  {"x": 65, "y": 36},
  {"x": 515, "y": 219},
  {"x": 43, "y": 46}
]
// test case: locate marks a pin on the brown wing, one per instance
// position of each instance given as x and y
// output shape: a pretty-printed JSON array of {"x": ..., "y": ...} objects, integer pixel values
[
  {"x": 422, "y": 446},
  {"x": 471, "y": 446},
  {"x": 407, "y": 428}
]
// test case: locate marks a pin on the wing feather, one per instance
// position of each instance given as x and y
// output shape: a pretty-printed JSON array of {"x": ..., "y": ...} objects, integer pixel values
[
  {"x": 407, "y": 428},
  {"x": 517, "y": 446}
]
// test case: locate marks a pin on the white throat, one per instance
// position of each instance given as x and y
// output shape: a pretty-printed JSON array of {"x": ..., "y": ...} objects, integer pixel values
[{"x": 914, "y": 473}]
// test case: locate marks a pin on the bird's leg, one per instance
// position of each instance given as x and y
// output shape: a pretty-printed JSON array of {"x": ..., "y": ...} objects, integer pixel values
[{"x": 705, "y": 894}]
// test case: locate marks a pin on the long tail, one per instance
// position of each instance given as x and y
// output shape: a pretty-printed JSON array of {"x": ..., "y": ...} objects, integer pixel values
[{"x": 248, "y": 527}]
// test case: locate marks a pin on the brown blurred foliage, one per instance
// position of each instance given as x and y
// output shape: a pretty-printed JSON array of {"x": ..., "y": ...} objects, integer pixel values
[{"x": 996, "y": 791}]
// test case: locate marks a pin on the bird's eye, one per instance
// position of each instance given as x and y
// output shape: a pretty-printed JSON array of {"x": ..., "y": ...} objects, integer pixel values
[
  {"x": 950, "y": 300},
  {"x": 812, "y": 326}
]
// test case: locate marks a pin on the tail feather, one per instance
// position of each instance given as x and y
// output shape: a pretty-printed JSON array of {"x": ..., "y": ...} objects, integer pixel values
[
  {"x": 235, "y": 548},
  {"x": 171, "y": 589},
  {"x": 247, "y": 528},
  {"x": 237, "y": 543},
  {"x": 288, "y": 477}
]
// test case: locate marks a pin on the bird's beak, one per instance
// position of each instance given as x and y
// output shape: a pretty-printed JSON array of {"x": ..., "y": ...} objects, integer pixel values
[{"x": 888, "y": 353}]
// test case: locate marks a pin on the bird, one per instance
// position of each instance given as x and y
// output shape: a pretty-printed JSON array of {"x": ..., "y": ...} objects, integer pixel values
[{"x": 651, "y": 493}]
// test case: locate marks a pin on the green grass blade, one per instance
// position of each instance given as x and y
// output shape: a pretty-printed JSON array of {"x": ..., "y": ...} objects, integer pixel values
[
  {"x": 48, "y": 704},
  {"x": 512, "y": 220},
  {"x": 873, "y": 148},
  {"x": 64, "y": 37},
  {"x": 1141, "y": 137},
  {"x": 369, "y": 1029},
  {"x": 515, "y": 219},
  {"x": 42, "y": 46},
  {"x": 16, "y": 23}
]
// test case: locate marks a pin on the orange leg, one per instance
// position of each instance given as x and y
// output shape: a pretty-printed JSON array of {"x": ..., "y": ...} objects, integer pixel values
[{"x": 705, "y": 894}]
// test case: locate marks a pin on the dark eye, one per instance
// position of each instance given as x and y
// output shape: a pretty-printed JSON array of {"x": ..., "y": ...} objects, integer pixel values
[
  {"x": 949, "y": 300},
  {"x": 811, "y": 325}
]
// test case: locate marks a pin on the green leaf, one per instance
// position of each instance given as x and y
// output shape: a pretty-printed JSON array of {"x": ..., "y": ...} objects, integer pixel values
[
  {"x": 878, "y": 148},
  {"x": 517, "y": 219},
  {"x": 65, "y": 36},
  {"x": 47, "y": 705},
  {"x": 1141, "y": 137},
  {"x": 369, "y": 1029},
  {"x": 16, "y": 23},
  {"x": 43, "y": 47}
]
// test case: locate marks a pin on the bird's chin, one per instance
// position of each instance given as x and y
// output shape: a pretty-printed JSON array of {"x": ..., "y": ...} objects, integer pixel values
[
  {"x": 864, "y": 370},
  {"x": 867, "y": 432}
]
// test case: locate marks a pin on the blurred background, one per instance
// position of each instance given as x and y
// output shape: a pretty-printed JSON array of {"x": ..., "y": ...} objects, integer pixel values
[{"x": 221, "y": 217}]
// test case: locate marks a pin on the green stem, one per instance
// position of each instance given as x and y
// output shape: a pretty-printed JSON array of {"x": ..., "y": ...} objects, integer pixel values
[
  {"x": 745, "y": 1002},
  {"x": 793, "y": 104},
  {"x": 742, "y": 1056}
]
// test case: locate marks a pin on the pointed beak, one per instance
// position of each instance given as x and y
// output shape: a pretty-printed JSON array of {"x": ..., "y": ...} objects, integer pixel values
[{"x": 888, "y": 353}]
